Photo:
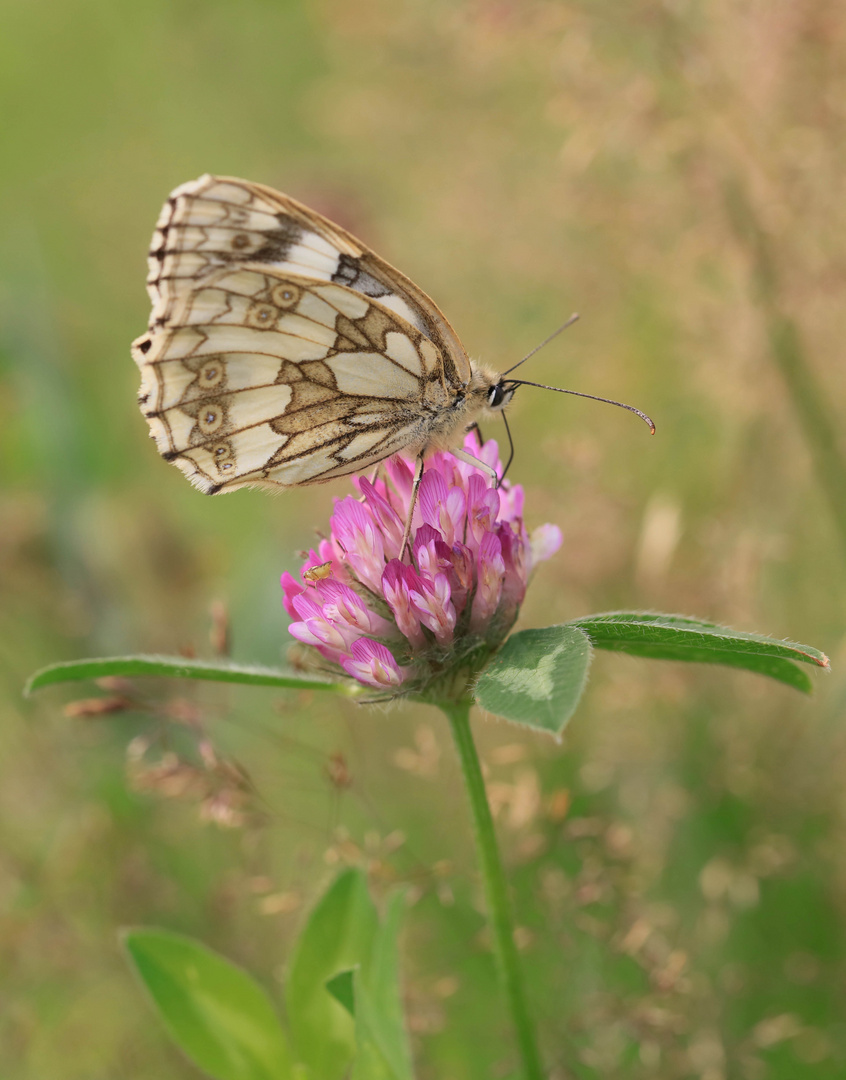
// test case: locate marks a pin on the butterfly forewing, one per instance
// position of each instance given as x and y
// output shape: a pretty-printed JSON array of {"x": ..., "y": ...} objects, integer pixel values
[{"x": 280, "y": 349}]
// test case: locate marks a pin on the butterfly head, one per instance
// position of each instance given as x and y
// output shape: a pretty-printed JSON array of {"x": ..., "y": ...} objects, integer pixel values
[
  {"x": 488, "y": 392},
  {"x": 499, "y": 395}
]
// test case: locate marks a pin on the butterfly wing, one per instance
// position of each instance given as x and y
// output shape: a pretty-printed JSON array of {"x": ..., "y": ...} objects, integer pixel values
[{"x": 280, "y": 350}]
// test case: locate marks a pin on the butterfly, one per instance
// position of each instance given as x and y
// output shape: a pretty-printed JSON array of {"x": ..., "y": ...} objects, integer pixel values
[{"x": 282, "y": 351}]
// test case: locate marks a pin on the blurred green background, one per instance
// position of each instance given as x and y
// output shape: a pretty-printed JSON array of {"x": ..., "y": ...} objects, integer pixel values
[{"x": 673, "y": 171}]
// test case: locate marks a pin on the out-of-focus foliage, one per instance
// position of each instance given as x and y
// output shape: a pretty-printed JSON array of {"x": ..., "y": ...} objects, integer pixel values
[{"x": 679, "y": 862}]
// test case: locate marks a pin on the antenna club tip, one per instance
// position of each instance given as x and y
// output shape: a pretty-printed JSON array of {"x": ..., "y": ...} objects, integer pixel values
[{"x": 651, "y": 429}]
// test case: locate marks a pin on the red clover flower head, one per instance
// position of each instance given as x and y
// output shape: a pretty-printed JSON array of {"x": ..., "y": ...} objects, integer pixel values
[{"x": 426, "y": 625}]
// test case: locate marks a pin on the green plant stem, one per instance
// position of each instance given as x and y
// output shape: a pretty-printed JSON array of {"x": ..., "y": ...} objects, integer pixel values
[{"x": 496, "y": 891}]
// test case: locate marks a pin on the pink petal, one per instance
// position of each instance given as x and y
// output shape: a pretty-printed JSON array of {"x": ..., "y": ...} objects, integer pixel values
[
  {"x": 372, "y": 664},
  {"x": 431, "y": 601},
  {"x": 401, "y": 475},
  {"x": 311, "y": 632},
  {"x": 384, "y": 515},
  {"x": 343, "y": 604},
  {"x": 290, "y": 588},
  {"x": 432, "y": 495},
  {"x": 491, "y": 575},
  {"x": 514, "y": 553},
  {"x": 442, "y": 507},
  {"x": 306, "y": 606},
  {"x": 425, "y": 548},
  {"x": 482, "y": 508},
  {"x": 360, "y": 539},
  {"x": 397, "y": 582},
  {"x": 511, "y": 502},
  {"x": 544, "y": 542}
]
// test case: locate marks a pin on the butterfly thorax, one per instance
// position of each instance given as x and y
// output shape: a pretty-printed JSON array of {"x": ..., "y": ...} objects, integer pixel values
[{"x": 457, "y": 410}]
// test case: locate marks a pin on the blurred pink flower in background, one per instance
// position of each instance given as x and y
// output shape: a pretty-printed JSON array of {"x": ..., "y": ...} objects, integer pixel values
[{"x": 441, "y": 612}]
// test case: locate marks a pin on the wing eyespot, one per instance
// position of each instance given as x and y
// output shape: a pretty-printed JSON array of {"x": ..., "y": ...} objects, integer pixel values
[
  {"x": 210, "y": 418},
  {"x": 286, "y": 295},
  {"x": 211, "y": 374},
  {"x": 262, "y": 316},
  {"x": 223, "y": 456}
]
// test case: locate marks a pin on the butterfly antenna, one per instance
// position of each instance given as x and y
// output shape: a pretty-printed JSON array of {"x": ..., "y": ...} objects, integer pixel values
[
  {"x": 551, "y": 337},
  {"x": 593, "y": 397}
]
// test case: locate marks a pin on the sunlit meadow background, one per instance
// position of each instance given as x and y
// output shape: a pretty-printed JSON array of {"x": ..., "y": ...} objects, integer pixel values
[{"x": 679, "y": 863}]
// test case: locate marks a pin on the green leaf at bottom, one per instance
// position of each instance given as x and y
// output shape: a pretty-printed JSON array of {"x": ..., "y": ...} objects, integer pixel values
[
  {"x": 537, "y": 677},
  {"x": 373, "y": 999},
  {"x": 216, "y": 1013},
  {"x": 341, "y": 988},
  {"x": 381, "y": 1048},
  {"x": 338, "y": 936}
]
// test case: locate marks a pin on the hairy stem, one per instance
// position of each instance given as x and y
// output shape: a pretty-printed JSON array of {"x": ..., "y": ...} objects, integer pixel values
[{"x": 496, "y": 891}]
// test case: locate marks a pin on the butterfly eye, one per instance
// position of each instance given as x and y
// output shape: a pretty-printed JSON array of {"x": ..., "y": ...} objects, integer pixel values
[{"x": 496, "y": 396}]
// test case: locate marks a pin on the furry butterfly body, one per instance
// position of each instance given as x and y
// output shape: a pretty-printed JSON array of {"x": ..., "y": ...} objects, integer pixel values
[{"x": 282, "y": 351}]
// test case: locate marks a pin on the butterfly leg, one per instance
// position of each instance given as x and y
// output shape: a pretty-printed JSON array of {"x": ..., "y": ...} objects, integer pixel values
[
  {"x": 485, "y": 468},
  {"x": 510, "y": 451},
  {"x": 373, "y": 479},
  {"x": 418, "y": 476}
]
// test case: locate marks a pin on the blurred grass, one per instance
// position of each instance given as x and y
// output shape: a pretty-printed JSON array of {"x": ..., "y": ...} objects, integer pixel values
[{"x": 679, "y": 864}]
